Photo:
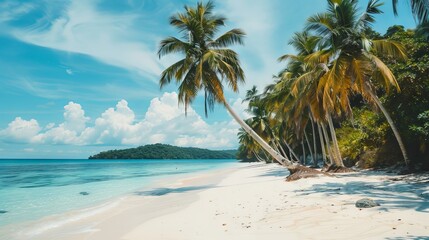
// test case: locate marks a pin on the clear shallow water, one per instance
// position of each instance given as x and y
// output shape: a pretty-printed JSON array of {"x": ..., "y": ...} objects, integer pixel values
[{"x": 32, "y": 189}]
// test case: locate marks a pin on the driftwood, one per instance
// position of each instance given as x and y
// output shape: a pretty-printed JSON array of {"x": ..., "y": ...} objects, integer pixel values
[
  {"x": 298, "y": 171},
  {"x": 337, "y": 169}
]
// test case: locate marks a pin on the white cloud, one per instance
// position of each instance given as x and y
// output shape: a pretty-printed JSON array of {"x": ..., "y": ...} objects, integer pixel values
[
  {"x": 108, "y": 37},
  {"x": 74, "y": 117},
  {"x": 20, "y": 130},
  {"x": 163, "y": 122},
  {"x": 10, "y": 10},
  {"x": 163, "y": 109},
  {"x": 67, "y": 132}
]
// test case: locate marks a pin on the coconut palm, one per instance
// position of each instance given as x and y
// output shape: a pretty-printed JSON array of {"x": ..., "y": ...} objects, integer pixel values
[
  {"x": 297, "y": 90},
  {"x": 352, "y": 60},
  {"x": 248, "y": 145},
  {"x": 208, "y": 63}
]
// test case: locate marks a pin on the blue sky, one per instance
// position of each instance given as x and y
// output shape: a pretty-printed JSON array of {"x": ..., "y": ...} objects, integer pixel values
[{"x": 79, "y": 77}]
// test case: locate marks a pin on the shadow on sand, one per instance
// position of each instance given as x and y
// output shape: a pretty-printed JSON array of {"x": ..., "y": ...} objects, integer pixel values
[
  {"x": 389, "y": 194},
  {"x": 165, "y": 191},
  {"x": 278, "y": 172},
  {"x": 409, "y": 238}
]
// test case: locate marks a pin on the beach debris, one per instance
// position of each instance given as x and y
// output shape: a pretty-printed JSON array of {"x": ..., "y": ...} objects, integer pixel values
[
  {"x": 298, "y": 172},
  {"x": 366, "y": 203},
  {"x": 84, "y": 193},
  {"x": 3, "y": 211}
]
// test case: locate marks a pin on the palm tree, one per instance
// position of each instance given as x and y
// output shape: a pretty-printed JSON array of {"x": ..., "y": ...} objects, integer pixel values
[
  {"x": 208, "y": 63},
  {"x": 297, "y": 90},
  {"x": 351, "y": 59},
  {"x": 420, "y": 9},
  {"x": 248, "y": 145}
]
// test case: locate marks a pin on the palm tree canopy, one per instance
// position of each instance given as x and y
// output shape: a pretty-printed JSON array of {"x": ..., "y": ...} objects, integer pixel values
[
  {"x": 208, "y": 63},
  {"x": 352, "y": 58}
]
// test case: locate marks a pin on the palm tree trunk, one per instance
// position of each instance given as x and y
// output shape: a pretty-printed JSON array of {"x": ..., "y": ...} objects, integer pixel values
[
  {"x": 277, "y": 156},
  {"x": 392, "y": 125},
  {"x": 279, "y": 146},
  {"x": 268, "y": 159},
  {"x": 328, "y": 146},
  {"x": 339, "y": 159},
  {"x": 303, "y": 152},
  {"x": 309, "y": 146},
  {"x": 322, "y": 144},
  {"x": 291, "y": 150},
  {"x": 314, "y": 142},
  {"x": 274, "y": 146},
  {"x": 257, "y": 156}
]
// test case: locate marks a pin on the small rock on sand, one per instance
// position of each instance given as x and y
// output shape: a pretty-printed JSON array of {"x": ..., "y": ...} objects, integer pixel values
[
  {"x": 3, "y": 211},
  {"x": 84, "y": 193},
  {"x": 366, "y": 203}
]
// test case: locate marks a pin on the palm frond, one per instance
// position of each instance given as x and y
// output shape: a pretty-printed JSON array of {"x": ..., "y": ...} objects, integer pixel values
[
  {"x": 320, "y": 23},
  {"x": 395, "y": 9},
  {"x": 231, "y": 37},
  {"x": 384, "y": 73},
  {"x": 287, "y": 57},
  {"x": 172, "y": 45},
  {"x": 368, "y": 18},
  {"x": 420, "y": 10},
  {"x": 389, "y": 48},
  {"x": 187, "y": 89},
  {"x": 170, "y": 73}
]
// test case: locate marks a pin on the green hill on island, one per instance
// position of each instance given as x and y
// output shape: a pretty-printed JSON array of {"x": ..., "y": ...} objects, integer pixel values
[{"x": 164, "y": 151}]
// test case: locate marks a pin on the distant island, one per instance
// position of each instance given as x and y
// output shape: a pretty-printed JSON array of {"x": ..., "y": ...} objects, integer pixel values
[{"x": 165, "y": 151}]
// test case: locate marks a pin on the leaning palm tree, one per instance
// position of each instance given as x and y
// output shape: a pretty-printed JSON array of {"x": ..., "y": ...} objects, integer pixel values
[
  {"x": 352, "y": 60},
  {"x": 208, "y": 63},
  {"x": 304, "y": 77}
]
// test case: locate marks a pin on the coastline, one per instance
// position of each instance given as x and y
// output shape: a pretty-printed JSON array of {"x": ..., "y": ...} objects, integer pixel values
[
  {"x": 81, "y": 221},
  {"x": 252, "y": 201}
]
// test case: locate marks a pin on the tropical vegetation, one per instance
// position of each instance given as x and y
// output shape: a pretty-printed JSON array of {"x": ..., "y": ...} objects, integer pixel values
[
  {"x": 208, "y": 63},
  {"x": 347, "y": 95},
  {"x": 165, "y": 151}
]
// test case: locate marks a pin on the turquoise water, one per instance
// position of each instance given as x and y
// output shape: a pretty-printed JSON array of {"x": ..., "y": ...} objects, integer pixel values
[{"x": 32, "y": 189}]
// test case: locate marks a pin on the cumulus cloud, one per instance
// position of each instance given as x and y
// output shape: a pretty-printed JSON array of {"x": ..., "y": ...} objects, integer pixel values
[
  {"x": 20, "y": 130},
  {"x": 163, "y": 122},
  {"x": 67, "y": 132},
  {"x": 74, "y": 117}
]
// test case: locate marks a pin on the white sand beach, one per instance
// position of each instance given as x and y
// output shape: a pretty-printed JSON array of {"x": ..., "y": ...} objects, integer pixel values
[{"x": 253, "y": 201}]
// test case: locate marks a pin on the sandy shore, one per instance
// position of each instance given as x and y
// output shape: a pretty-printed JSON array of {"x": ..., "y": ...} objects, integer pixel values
[{"x": 252, "y": 201}]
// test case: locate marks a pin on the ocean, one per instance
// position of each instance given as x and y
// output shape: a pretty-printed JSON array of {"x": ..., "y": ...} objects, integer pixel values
[{"x": 32, "y": 189}]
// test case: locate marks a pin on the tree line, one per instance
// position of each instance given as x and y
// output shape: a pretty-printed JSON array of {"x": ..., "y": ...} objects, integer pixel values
[
  {"x": 325, "y": 103},
  {"x": 165, "y": 151}
]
